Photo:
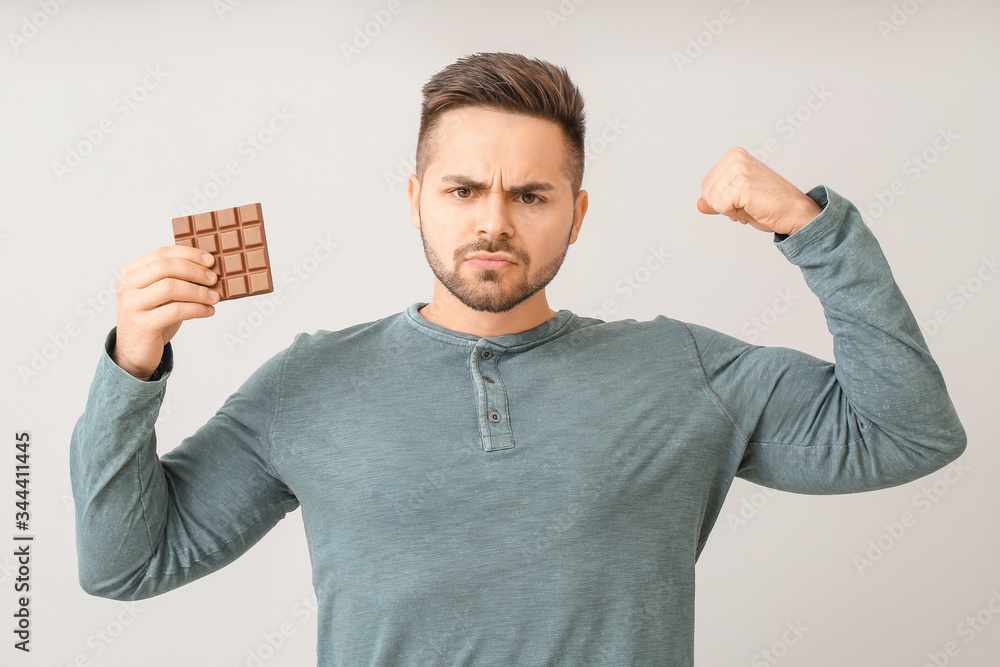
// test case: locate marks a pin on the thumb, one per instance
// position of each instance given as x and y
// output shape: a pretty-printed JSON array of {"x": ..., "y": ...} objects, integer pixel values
[{"x": 704, "y": 207}]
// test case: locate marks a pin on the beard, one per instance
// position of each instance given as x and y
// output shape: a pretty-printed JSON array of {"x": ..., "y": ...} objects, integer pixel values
[{"x": 492, "y": 290}]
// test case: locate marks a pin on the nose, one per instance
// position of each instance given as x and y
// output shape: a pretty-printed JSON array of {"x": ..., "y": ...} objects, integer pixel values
[{"x": 493, "y": 216}]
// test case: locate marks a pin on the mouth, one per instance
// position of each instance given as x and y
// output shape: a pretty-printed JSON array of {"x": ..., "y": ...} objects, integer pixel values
[{"x": 485, "y": 260}]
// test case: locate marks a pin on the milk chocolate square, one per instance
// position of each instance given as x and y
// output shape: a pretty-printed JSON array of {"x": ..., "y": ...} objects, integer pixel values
[{"x": 235, "y": 237}]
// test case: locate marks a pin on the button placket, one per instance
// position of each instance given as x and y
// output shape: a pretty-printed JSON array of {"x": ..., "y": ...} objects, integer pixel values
[{"x": 494, "y": 424}]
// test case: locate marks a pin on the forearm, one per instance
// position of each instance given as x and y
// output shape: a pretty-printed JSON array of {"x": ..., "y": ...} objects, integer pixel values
[{"x": 118, "y": 483}]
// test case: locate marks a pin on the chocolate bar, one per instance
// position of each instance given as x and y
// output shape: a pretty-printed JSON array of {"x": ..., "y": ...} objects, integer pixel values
[{"x": 235, "y": 238}]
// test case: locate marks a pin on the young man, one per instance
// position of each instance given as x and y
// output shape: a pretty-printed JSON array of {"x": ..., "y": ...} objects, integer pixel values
[{"x": 515, "y": 485}]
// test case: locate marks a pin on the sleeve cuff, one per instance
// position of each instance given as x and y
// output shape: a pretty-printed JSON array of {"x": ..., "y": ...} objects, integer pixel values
[
  {"x": 162, "y": 371},
  {"x": 833, "y": 211}
]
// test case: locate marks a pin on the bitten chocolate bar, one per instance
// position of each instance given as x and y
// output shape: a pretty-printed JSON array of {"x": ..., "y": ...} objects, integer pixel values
[{"x": 235, "y": 237}]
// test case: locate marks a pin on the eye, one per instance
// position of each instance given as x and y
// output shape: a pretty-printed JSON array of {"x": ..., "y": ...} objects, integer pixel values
[
  {"x": 534, "y": 199},
  {"x": 458, "y": 193}
]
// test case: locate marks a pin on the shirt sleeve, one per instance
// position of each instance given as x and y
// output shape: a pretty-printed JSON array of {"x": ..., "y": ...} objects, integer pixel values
[
  {"x": 879, "y": 416},
  {"x": 148, "y": 524}
]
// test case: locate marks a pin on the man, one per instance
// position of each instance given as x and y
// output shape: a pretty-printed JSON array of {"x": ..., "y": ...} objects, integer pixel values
[{"x": 484, "y": 480}]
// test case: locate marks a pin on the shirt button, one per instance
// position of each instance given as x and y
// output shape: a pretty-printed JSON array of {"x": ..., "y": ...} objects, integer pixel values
[
  {"x": 495, "y": 417},
  {"x": 487, "y": 354}
]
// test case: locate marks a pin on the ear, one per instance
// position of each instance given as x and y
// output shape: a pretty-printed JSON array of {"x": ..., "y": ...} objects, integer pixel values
[
  {"x": 579, "y": 210},
  {"x": 413, "y": 191}
]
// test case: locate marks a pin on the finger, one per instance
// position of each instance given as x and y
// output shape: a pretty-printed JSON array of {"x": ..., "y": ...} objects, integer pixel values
[
  {"x": 741, "y": 216},
  {"x": 182, "y": 251},
  {"x": 718, "y": 170},
  {"x": 170, "y": 290},
  {"x": 140, "y": 268},
  {"x": 171, "y": 313},
  {"x": 158, "y": 268},
  {"x": 704, "y": 207},
  {"x": 733, "y": 214}
]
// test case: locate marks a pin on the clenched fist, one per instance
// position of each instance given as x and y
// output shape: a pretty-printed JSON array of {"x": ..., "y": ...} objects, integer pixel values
[{"x": 744, "y": 189}]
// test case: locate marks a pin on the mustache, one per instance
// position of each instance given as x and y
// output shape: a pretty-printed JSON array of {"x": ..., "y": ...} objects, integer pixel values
[{"x": 497, "y": 245}]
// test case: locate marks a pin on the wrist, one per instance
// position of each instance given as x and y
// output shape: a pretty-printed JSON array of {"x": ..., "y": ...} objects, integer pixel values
[
  {"x": 806, "y": 213},
  {"x": 131, "y": 369}
]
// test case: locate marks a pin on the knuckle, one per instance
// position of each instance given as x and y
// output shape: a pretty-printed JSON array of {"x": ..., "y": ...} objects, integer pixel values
[
  {"x": 164, "y": 289},
  {"x": 172, "y": 310}
]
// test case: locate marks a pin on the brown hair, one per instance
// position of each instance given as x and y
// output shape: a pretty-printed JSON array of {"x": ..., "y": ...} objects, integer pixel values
[{"x": 511, "y": 83}]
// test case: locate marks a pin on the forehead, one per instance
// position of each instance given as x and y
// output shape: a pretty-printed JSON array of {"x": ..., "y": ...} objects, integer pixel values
[{"x": 482, "y": 141}]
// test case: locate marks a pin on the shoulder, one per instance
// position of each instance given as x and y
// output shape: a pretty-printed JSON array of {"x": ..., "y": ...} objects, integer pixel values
[
  {"x": 655, "y": 329},
  {"x": 661, "y": 335},
  {"x": 324, "y": 346}
]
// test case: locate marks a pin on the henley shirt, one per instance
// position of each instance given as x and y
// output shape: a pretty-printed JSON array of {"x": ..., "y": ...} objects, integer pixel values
[{"x": 535, "y": 498}]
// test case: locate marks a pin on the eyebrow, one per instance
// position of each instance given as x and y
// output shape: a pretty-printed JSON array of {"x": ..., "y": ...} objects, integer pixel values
[{"x": 471, "y": 183}]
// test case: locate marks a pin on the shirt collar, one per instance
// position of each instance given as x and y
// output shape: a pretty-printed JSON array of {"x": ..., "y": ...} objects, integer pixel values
[{"x": 515, "y": 342}]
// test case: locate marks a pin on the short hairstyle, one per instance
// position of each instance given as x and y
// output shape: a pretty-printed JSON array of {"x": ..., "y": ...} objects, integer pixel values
[{"x": 506, "y": 82}]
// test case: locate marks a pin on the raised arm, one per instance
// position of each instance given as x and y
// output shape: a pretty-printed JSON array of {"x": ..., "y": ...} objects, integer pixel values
[{"x": 880, "y": 415}]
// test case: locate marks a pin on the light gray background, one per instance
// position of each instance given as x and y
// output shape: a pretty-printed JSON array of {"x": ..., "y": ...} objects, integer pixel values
[{"x": 329, "y": 175}]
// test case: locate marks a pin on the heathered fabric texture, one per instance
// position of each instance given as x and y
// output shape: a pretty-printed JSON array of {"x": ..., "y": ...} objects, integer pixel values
[{"x": 536, "y": 498}]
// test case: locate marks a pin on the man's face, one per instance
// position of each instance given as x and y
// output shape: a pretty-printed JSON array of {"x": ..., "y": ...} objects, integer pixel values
[{"x": 496, "y": 186}]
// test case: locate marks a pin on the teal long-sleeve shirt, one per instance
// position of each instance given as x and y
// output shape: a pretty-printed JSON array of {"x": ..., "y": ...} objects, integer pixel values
[{"x": 535, "y": 498}]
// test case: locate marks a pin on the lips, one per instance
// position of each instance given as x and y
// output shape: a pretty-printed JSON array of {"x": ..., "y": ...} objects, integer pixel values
[{"x": 486, "y": 260}]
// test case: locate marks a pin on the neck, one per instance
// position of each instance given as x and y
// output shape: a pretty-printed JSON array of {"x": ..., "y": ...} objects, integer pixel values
[{"x": 447, "y": 311}]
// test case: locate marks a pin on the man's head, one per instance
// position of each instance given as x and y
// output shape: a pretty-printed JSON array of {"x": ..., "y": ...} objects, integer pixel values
[
  {"x": 506, "y": 82},
  {"x": 499, "y": 170}
]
